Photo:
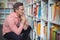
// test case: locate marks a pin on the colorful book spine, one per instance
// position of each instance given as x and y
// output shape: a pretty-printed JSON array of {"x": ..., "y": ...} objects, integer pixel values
[
  {"x": 7, "y": 10},
  {"x": 52, "y": 8},
  {"x": 36, "y": 10},
  {"x": 54, "y": 16},
  {"x": 38, "y": 28},
  {"x": 53, "y": 32},
  {"x": 58, "y": 35},
  {"x": 56, "y": 12},
  {"x": 39, "y": 12},
  {"x": 45, "y": 11},
  {"x": 35, "y": 25}
]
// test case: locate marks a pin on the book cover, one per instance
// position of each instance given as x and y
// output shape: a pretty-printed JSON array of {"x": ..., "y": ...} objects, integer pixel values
[
  {"x": 38, "y": 28},
  {"x": 39, "y": 11}
]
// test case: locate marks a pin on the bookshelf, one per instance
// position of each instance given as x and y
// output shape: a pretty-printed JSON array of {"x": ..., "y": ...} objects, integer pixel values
[
  {"x": 6, "y": 7},
  {"x": 43, "y": 16},
  {"x": 45, "y": 12}
]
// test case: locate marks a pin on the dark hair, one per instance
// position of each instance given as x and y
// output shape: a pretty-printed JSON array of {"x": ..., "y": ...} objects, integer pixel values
[{"x": 16, "y": 5}]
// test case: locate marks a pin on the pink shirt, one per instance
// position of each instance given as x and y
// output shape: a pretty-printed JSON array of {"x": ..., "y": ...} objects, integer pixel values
[{"x": 10, "y": 24}]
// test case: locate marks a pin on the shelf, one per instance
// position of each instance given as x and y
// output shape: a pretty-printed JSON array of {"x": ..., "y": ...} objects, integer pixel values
[
  {"x": 45, "y": 0},
  {"x": 6, "y": 8},
  {"x": 1, "y": 13},
  {"x": 44, "y": 19},
  {"x": 2, "y": 19},
  {"x": 34, "y": 3},
  {"x": 37, "y": 19},
  {"x": 51, "y": 21},
  {"x": 3, "y": 0},
  {"x": 2, "y": 7},
  {"x": 4, "y": 12},
  {"x": 54, "y": 22},
  {"x": 56, "y": 0},
  {"x": 37, "y": 2}
]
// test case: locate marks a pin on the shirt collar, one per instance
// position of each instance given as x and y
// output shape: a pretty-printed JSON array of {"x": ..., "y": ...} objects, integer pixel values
[{"x": 15, "y": 14}]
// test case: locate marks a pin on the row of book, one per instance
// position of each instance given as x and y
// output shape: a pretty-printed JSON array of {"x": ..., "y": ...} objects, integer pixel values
[
  {"x": 8, "y": 0},
  {"x": 55, "y": 32},
  {"x": 2, "y": 17},
  {"x": 37, "y": 27},
  {"x": 29, "y": 1},
  {"x": 37, "y": 10},
  {"x": 7, "y": 4},
  {"x": 55, "y": 12},
  {"x": 37, "y": 30},
  {"x": 29, "y": 10},
  {"x": 6, "y": 10},
  {"x": 1, "y": 21},
  {"x": 12, "y": 0},
  {"x": 32, "y": 1}
]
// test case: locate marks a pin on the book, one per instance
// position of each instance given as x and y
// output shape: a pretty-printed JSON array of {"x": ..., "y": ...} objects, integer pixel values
[
  {"x": 29, "y": 2},
  {"x": 45, "y": 31},
  {"x": 58, "y": 35},
  {"x": 53, "y": 30},
  {"x": 2, "y": 17},
  {"x": 11, "y": 10},
  {"x": 45, "y": 10},
  {"x": 2, "y": 10},
  {"x": 38, "y": 28},
  {"x": 36, "y": 10},
  {"x": 10, "y": 5},
  {"x": 7, "y": 10},
  {"x": 39, "y": 12},
  {"x": 35, "y": 25},
  {"x": 2, "y": 4},
  {"x": 56, "y": 12}
]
